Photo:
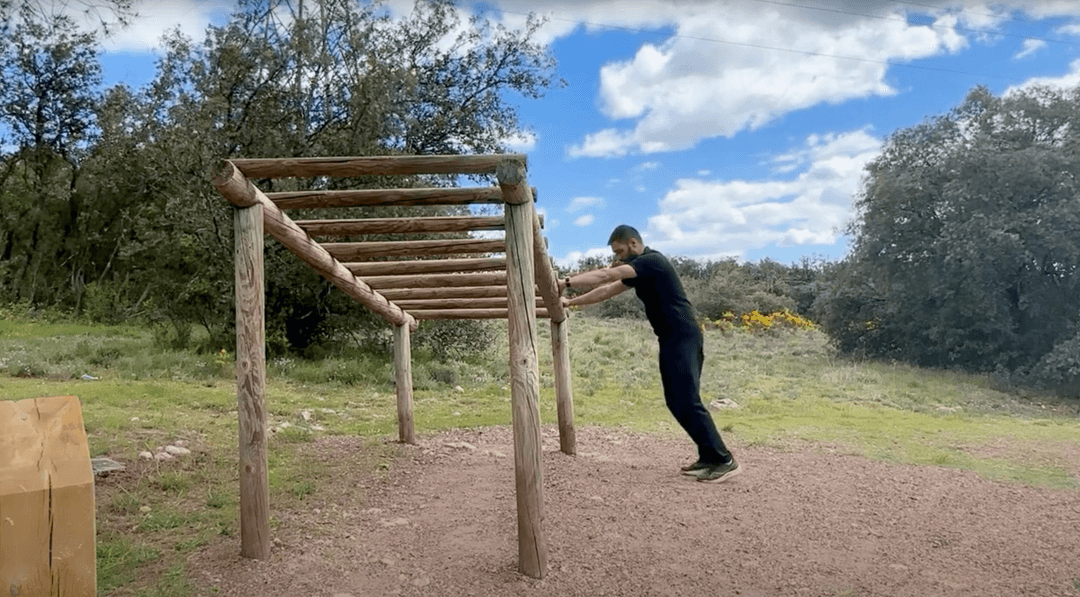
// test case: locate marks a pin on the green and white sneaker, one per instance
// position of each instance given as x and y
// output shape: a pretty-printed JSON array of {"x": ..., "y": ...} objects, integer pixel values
[
  {"x": 695, "y": 469},
  {"x": 719, "y": 472}
]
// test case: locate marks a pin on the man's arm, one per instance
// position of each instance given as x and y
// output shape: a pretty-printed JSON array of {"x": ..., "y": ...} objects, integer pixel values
[
  {"x": 599, "y": 277},
  {"x": 596, "y": 295}
]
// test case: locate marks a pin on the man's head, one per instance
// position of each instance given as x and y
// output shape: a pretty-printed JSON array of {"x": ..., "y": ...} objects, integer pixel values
[{"x": 626, "y": 242}]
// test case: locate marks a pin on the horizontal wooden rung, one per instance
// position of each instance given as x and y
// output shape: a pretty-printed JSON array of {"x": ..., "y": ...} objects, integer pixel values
[
  {"x": 400, "y": 225},
  {"x": 374, "y": 165},
  {"x": 426, "y": 266},
  {"x": 453, "y": 303},
  {"x": 412, "y": 248},
  {"x": 469, "y": 314},
  {"x": 436, "y": 280},
  {"x": 387, "y": 197},
  {"x": 396, "y": 294}
]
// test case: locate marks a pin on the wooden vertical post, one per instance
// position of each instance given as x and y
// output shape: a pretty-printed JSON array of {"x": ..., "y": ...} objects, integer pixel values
[
  {"x": 251, "y": 384},
  {"x": 524, "y": 369},
  {"x": 403, "y": 382},
  {"x": 564, "y": 398}
]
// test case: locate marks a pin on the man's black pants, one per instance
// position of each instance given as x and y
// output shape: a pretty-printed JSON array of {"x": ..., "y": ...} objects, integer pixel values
[{"x": 681, "y": 358}]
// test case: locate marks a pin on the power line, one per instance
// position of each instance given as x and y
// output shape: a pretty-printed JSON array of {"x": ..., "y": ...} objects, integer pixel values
[{"x": 790, "y": 50}]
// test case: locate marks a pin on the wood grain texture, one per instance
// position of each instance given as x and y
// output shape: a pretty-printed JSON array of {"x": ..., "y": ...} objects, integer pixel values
[
  {"x": 546, "y": 279},
  {"x": 453, "y": 303},
  {"x": 437, "y": 280},
  {"x": 46, "y": 499},
  {"x": 435, "y": 293},
  {"x": 411, "y": 248},
  {"x": 233, "y": 185},
  {"x": 387, "y": 197},
  {"x": 251, "y": 384},
  {"x": 426, "y": 266},
  {"x": 403, "y": 384},
  {"x": 525, "y": 387},
  {"x": 348, "y": 166},
  {"x": 468, "y": 314},
  {"x": 512, "y": 181},
  {"x": 564, "y": 396},
  {"x": 399, "y": 225}
]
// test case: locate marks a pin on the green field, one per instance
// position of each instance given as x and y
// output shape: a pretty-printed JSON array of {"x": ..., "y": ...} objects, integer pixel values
[{"x": 792, "y": 393}]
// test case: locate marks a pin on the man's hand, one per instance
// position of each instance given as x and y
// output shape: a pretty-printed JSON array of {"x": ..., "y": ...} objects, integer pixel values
[{"x": 565, "y": 303}]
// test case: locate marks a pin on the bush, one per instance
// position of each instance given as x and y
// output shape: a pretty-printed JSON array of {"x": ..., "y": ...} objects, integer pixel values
[
  {"x": 1059, "y": 369},
  {"x": 755, "y": 322},
  {"x": 454, "y": 339},
  {"x": 730, "y": 287}
]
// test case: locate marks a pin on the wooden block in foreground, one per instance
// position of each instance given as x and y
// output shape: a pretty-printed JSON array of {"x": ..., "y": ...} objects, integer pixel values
[{"x": 46, "y": 500}]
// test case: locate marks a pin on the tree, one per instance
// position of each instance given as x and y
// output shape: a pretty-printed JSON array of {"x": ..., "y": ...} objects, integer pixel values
[
  {"x": 727, "y": 286},
  {"x": 109, "y": 14},
  {"x": 323, "y": 77},
  {"x": 50, "y": 72},
  {"x": 964, "y": 251}
]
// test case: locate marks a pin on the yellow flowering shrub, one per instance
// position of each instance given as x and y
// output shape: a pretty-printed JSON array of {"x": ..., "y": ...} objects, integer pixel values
[{"x": 755, "y": 322}]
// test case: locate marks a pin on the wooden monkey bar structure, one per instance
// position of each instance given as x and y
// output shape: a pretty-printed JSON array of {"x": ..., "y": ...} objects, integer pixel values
[{"x": 421, "y": 282}]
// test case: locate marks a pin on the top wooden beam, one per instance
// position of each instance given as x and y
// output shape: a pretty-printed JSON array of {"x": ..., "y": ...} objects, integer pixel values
[
  {"x": 378, "y": 165},
  {"x": 387, "y": 197}
]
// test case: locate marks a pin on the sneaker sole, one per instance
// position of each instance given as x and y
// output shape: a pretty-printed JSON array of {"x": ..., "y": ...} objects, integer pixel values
[{"x": 732, "y": 473}]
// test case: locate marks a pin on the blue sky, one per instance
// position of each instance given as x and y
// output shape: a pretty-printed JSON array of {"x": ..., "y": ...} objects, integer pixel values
[{"x": 726, "y": 128}]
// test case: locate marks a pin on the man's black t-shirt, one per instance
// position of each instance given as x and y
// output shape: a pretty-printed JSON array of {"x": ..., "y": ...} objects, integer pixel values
[{"x": 659, "y": 288}]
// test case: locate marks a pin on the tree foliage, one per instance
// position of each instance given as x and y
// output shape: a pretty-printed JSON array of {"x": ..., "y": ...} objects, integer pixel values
[
  {"x": 282, "y": 78},
  {"x": 109, "y": 15},
  {"x": 716, "y": 288},
  {"x": 47, "y": 104},
  {"x": 965, "y": 251}
]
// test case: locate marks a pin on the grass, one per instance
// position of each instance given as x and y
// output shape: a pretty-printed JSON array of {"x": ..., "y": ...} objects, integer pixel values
[{"x": 793, "y": 394}]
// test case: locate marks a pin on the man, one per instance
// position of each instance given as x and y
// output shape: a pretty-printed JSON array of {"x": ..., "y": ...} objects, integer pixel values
[{"x": 654, "y": 279}]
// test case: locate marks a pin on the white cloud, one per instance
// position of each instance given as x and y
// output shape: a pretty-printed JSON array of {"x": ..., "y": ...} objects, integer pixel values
[
  {"x": 648, "y": 165},
  {"x": 155, "y": 18},
  {"x": 704, "y": 172},
  {"x": 1072, "y": 29},
  {"x": 549, "y": 222},
  {"x": 606, "y": 143},
  {"x": 1030, "y": 47},
  {"x": 575, "y": 256},
  {"x": 1068, "y": 80},
  {"x": 579, "y": 203},
  {"x": 732, "y": 67},
  {"x": 584, "y": 220},
  {"x": 1042, "y": 9},
  {"x": 717, "y": 219},
  {"x": 522, "y": 141},
  {"x": 567, "y": 16}
]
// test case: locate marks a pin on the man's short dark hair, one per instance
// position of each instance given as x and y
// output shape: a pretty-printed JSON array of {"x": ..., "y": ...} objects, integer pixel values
[{"x": 623, "y": 234}]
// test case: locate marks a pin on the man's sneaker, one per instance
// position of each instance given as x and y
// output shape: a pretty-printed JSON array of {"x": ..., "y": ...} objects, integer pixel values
[
  {"x": 694, "y": 469},
  {"x": 719, "y": 472}
]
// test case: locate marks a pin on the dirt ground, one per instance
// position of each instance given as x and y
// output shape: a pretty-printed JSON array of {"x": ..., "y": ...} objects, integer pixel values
[{"x": 621, "y": 520}]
